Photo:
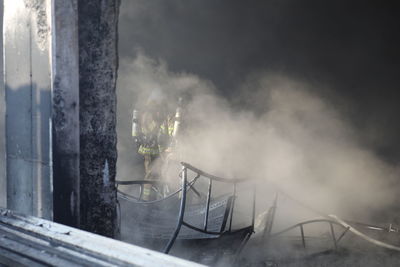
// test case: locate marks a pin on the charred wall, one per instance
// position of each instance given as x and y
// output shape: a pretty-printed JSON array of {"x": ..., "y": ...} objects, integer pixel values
[{"x": 98, "y": 62}]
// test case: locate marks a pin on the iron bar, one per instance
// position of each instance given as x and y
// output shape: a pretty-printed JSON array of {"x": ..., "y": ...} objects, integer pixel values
[
  {"x": 242, "y": 245},
  {"x": 210, "y": 176},
  {"x": 201, "y": 230},
  {"x": 364, "y": 236},
  {"x": 138, "y": 182},
  {"x": 342, "y": 235},
  {"x": 253, "y": 218},
  {"x": 208, "y": 204},
  {"x": 181, "y": 212},
  {"x": 140, "y": 191},
  {"x": 333, "y": 235},
  {"x": 305, "y": 222},
  {"x": 303, "y": 240},
  {"x": 138, "y": 200},
  {"x": 232, "y": 208},
  {"x": 270, "y": 218},
  {"x": 195, "y": 191},
  {"x": 215, "y": 233}
]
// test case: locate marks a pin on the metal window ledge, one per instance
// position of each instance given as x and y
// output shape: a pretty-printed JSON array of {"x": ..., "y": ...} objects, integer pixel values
[{"x": 30, "y": 241}]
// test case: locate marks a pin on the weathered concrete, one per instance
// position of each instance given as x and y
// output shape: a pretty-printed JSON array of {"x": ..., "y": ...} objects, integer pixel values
[
  {"x": 27, "y": 87},
  {"x": 51, "y": 244},
  {"x": 60, "y": 77},
  {"x": 98, "y": 73},
  {"x": 65, "y": 97},
  {"x": 3, "y": 180}
]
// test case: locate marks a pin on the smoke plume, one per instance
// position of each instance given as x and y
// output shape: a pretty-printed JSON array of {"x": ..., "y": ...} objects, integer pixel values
[{"x": 277, "y": 131}]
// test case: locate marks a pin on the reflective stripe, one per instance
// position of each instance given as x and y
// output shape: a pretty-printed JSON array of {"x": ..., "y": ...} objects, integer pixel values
[
  {"x": 148, "y": 150},
  {"x": 146, "y": 191},
  {"x": 170, "y": 127}
]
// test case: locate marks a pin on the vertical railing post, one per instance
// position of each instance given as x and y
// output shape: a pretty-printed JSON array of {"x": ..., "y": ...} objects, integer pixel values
[
  {"x": 232, "y": 208},
  {"x": 333, "y": 235},
  {"x": 253, "y": 218},
  {"x": 181, "y": 212},
  {"x": 270, "y": 218},
  {"x": 208, "y": 204},
  {"x": 303, "y": 240}
]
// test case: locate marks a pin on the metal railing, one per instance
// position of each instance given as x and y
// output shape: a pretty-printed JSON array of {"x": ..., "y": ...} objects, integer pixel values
[
  {"x": 229, "y": 211},
  {"x": 183, "y": 190},
  {"x": 331, "y": 220},
  {"x": 302, "y": 234}
]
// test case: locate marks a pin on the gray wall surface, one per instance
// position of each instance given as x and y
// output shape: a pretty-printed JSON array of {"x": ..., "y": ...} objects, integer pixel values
[
  {"x": 27, "y": 76},
  {"x": 3, "y": 181}
]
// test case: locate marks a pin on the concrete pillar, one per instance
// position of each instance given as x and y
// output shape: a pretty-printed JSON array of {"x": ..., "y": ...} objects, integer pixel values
[
  {"x": 98, "y": 73},
  {"x": 3, "y": 179},
  {"x": 65, "y": 97},
  {"x": 60, "y": 79},
  {"x": 27, "y": 75}
]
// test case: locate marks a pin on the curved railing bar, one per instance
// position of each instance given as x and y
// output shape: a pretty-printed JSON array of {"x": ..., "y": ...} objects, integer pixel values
[
  {"x": 212, "y": 177},
  {"x": 216, "y": 233},
  {"x": 138, "y": 182},
  {"x": 180, "y": 222},
  {"x": 201, "y": 230},
  {"x": 304, "y": 223},
  {"x": 135, "y": 200},
  {"x": 348, "y": 228},
  {"x": 181, "y": 212},
  {"x": 185, "y": 186}
]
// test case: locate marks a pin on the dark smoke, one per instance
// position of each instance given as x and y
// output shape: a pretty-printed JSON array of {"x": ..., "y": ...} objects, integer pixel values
[
  {"x": 350, "y": 46},
  {"x": 306, "y": 91}
]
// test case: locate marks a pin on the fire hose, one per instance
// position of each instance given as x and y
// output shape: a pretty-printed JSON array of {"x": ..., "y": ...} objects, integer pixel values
[
  {"x": 362, "y": 235},
  {"x": 347, "y": 226}
]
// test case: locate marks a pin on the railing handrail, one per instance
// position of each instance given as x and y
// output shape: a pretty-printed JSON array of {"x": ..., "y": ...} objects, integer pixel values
[
  {"x": 184, "y": 187},
  {"x": 213, "y": 177},
  {"x": 135, "y": 182},
  {"x": 137, "y": 200},
  {"x": 304, "y": 223}
]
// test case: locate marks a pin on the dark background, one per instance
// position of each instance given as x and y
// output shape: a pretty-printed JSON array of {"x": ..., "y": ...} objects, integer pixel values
[{"x": 350, "y": 47}]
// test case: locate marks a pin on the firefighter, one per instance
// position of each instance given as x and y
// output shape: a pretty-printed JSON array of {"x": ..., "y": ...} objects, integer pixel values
[{"x": 152, "y": 131}]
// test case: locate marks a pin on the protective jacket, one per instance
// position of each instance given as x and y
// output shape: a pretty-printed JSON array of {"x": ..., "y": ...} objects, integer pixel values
[{"x": 155, "y": 134}]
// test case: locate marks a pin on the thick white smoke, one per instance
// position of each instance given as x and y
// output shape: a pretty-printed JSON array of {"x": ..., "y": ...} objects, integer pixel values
[{"x": 284, "y": 134}]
